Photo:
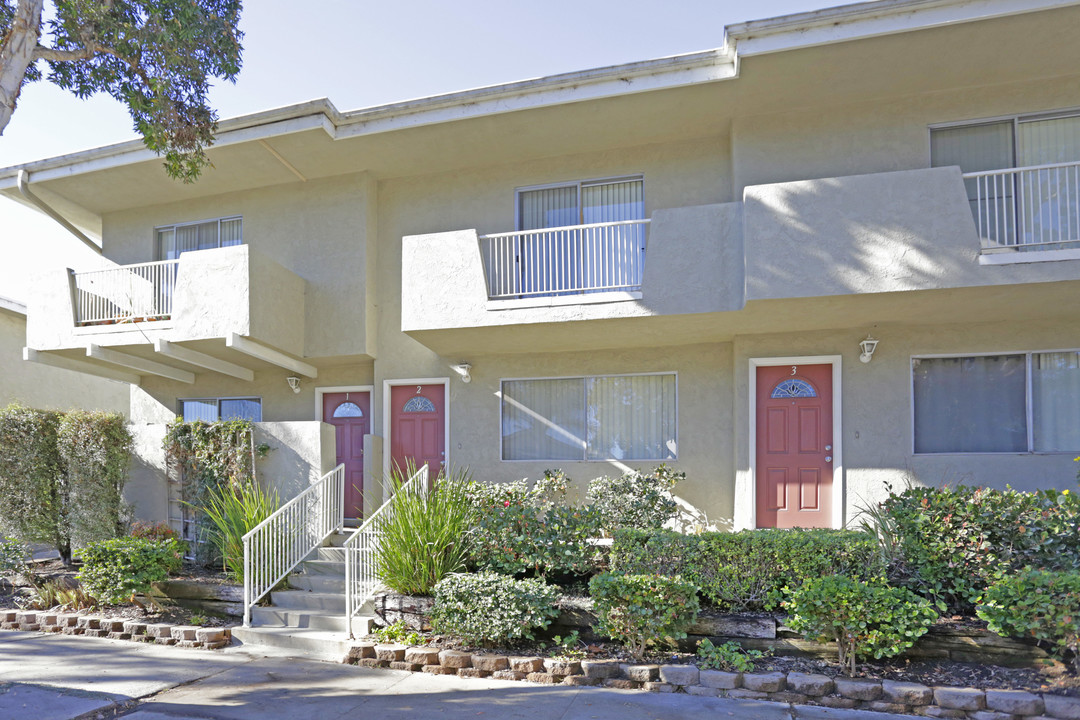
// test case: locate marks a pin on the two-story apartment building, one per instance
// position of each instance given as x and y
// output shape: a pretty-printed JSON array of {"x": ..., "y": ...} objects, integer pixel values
[{"x": 840, "y": 252}]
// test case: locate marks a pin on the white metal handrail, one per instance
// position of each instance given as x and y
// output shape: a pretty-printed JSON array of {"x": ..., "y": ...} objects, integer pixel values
[
  {"x": 125, "y": 293},
  {"x": 1027, "y": 208},
  {"x": 598, "y": 257},
  {"x": 280, "y": 542},
  {"x": 362, "y": 547}
]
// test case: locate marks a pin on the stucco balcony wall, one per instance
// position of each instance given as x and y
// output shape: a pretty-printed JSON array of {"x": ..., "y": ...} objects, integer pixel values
[
  {"x": 218, "y": 292},
  {"x": 884, "y": 232},
  {"x": 693, "y": 264}
]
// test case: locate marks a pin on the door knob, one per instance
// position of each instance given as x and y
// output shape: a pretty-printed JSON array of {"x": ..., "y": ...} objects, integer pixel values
[
  {"x": 828, "y": 458},
  {"x": 828, "y": 448}
]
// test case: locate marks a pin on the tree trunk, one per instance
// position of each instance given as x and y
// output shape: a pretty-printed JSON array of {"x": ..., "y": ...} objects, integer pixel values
[{"x": 16, "y": 54}]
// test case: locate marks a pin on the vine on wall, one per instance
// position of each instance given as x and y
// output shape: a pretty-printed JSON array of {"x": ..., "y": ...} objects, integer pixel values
[{"x": 212, "y": 455}]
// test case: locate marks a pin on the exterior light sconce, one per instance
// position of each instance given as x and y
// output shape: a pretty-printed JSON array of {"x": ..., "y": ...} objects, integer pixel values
[
  {"x": 463, "y": 369},
  {"x": 868, "y": 346},
  {"x": 294, "y": 383}
]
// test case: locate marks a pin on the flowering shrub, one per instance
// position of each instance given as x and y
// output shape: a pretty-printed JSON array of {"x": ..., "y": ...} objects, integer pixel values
[
  {"x": 520, "y": 529},
  {"x": 493, "y": 608},
  {"x": 1042, "y": 605},
  {"x": 862, "y": 618},
  {"x": 635, "y": 499},
  {"x": 643, "y": 610},
  {"x": 153, "y": 531},
  {"x": 953, "y": 543}
]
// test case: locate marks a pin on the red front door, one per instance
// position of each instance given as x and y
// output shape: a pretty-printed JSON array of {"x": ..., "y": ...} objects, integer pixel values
[
  {"x": 350, "y": 413},
  {"x": 418, "y": 427},
  {"x": 794, "y": 446}
]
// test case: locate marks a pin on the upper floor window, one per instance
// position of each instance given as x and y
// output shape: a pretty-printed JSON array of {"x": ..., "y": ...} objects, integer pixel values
[
  {"x": 1006, "y": 403},
  {"x": 581, "y": 203},
  {"x": 1021, "y": 177},
  {"x": 175, "y": 240},
  {"x": 213, "y": 409}
]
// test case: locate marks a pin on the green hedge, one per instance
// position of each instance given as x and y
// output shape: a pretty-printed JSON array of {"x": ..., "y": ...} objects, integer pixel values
[
  {"x": 643, "y": 610},
  {"x": 951, "y": 544},
  {"x": 115, "y": 571},
  {"x": 748, "y": 570},
  {"x": 489, "y": 608}
]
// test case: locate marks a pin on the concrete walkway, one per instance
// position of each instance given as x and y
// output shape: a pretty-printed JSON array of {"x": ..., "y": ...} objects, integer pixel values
[{"x": 56, "y": 677}]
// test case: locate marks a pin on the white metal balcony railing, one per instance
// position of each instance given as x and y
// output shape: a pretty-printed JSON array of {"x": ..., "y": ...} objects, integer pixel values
[
  {"x": 125, "y": 294},
  {"x": 362, "y": 548},
  {"x": 600, "y": 257},
  {"x": 280, "y": 542},
  {"x": 1027, "y": 209}
]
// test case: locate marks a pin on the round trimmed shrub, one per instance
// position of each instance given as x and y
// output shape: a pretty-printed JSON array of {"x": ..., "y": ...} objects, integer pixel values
[
  {"x": 489, "y": 608},
  {"x": 1038, "y": 604},
  {"x": 643, "y": 610},
  {"x": 115, "y": 571}
]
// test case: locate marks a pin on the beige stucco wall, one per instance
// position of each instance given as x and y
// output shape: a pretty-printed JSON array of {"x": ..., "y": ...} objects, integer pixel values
[
  {"x": 147, "y": 488},
  {"x": 319, "y": 230},
  {"x": 822, "y": 140},
  {"x": 48, "y": 387}
]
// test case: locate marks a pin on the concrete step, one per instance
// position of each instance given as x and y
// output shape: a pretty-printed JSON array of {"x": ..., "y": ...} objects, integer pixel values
[
  {"x": 338, "y": 539},
  {"x": 333, "y": 603},
  {"x": 297, "y": 619},
  {"x": 326, "y": 645},
  {"x": 318, "y": 583},
  {"x": 322, "y": 567},
  {"x": 330, "y": 554}
]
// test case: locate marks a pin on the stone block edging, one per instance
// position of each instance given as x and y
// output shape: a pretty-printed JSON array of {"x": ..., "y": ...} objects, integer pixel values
[
  {"x": 803, "y": 692},
  {"x": 187, "y": 636}
]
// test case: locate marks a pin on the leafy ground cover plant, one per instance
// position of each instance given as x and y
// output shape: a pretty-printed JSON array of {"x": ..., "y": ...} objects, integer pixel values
[
  {"x": 1040, "y": 604},
  {"x": 643, "y": 610},
  {"x": 490, "y": 608},
  {"x": 399, "y": 632},
  {"x": 862, "y": 618},
  {"x": 729, "y": 656},
  {"x": 635, "y": 499},
  {"x": 956, "y": 542},
  {"x": 232, "y": 513},
  {"x": 747, "y": 571},
  {"x": 115, "y": 571},
  {"x": 425, "y": 534}
]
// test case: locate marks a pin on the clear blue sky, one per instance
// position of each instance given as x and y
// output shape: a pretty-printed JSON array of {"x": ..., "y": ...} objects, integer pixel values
[{"x": 360, "y": 53}]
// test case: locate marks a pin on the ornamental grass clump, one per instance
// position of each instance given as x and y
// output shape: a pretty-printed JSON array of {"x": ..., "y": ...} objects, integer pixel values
[
  {"x": 492, "y": 609},
  {"x": 643, "y": 610},
  {"x": 424, "y": 534},
  {"x": 1039, "y": 604},
  {"x": 862, "y": 618},
  {"x": 232, "y": 512}
]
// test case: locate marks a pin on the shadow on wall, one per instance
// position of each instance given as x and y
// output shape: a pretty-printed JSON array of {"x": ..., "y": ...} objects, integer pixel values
[{"x": 295, "y": 458}]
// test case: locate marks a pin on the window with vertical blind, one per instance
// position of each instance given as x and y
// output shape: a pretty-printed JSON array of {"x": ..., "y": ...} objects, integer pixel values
[
  {"x": 607, "y": 417},
  {"x": 581, "y": 203},
  {"x": 1005, "y": 403},
  {"x": 214, "y": 409},
  {"x": 1043, "y": 201},
  {"x": 175, "y": 240}
]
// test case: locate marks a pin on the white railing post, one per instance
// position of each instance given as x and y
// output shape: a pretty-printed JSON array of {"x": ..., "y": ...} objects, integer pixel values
[
  {"x": 599, "y": 257},
  {"x": 125, "y": 293},
  {"x": 361, "y": 549},
  {"x": 1028, "y": 208},
  {"x": 274, "y": 547}
]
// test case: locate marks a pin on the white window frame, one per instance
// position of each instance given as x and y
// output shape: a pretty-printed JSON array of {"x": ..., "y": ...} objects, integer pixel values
[
  {"x": 1015, "y": 118},
  {"x": 174, "y": 226},
  {"x": 1029, "y": 408},
  {"x": 585, "y": 405},
  {"x": 180, "y": 403},
  {"x": 578, "y": 184}
]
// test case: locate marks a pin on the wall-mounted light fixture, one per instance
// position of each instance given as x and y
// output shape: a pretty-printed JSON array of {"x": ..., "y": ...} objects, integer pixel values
[
  {"x": 463, "y": 369},
  {"x": 867, "y": 346},
  {"x": 294, "y": 383}
]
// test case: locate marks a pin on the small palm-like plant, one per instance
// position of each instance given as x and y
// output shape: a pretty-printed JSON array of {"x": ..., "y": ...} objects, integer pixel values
[
  {"x": 424, "y": 534},
  {"x": 233, "y": 512}
]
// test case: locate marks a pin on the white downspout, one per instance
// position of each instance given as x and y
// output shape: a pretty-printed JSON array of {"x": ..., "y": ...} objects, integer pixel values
[{"x": 24, "y": 188}]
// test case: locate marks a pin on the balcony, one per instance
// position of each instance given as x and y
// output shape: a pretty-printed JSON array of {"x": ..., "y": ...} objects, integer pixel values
[
  {"x": 565, "y": 261},
  {"x": 229, "y": 310},
  {"x": 128, "y": 293},
  {"x": 1027, "y": 214}
]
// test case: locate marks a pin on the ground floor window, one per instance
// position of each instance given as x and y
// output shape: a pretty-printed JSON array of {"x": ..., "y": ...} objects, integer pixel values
[
  {"x": 211, "y": 409},
  {"x": 612, "y": 417},
  {"x": 1015, "y": 402}
]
